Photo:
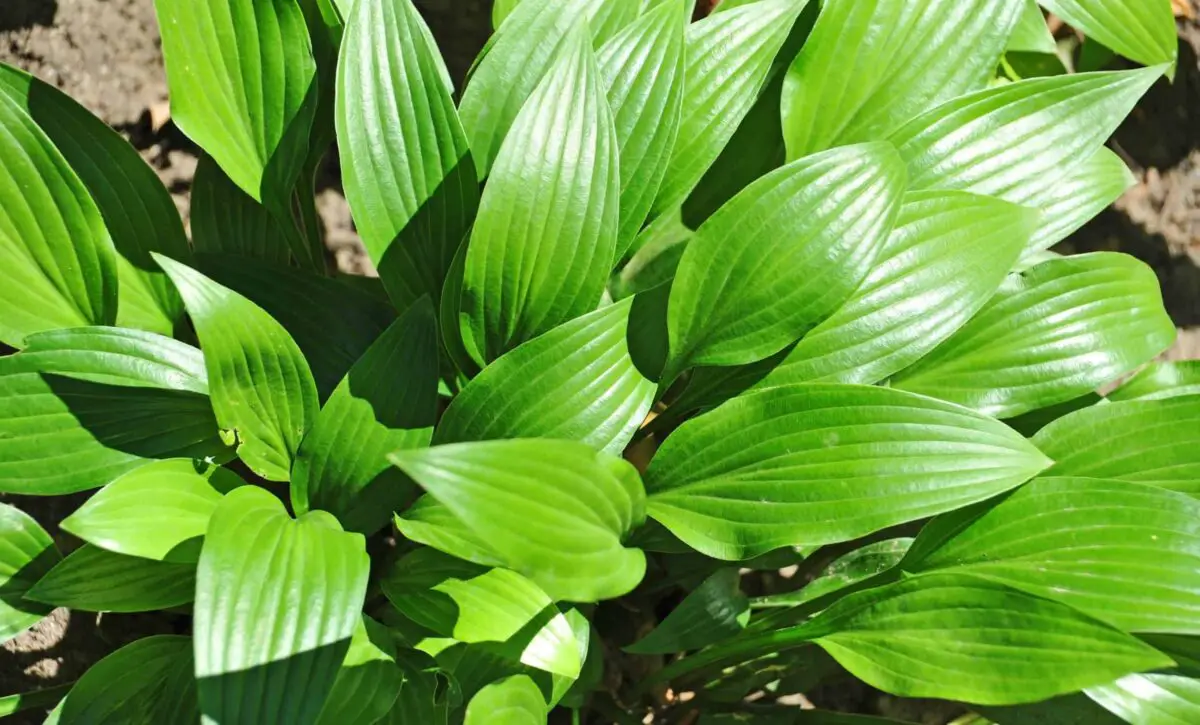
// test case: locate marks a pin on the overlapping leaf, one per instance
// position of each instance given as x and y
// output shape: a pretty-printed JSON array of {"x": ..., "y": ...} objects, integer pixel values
[
  {"x": 514, "y": 701},
  {"x": 1079, "y": 196},
  {"x": 846, "y": 571},
  {"x": 1142, "y": 30},
  {"x": 1031, "y": 34},
  {"x": 369, "y": 681},
  {"x": 431, "y": 523},
  {"x": 227, "y": 220},
  {"x": 712, "y": 611},
  {"x": 1161, "y": 380},
  {"x": 95, "y": 580},
  {"x": 1151, "y": 699},
  {"x": 26, "y": 553},
  {"x": 118, "y": 356},
  {"x": 146, "y": 682}
]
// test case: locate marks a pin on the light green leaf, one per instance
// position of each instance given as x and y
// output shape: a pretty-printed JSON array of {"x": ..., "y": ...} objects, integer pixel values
[
  {"x": 1151, "y": 699},
  {"x": 277, "y": 600},
  {"x": 26, "y": 553},
  {"x": 743, "y": 293},
  {"x": 387, "y": 402},
  {"x": 1125, "y": 553},
  {"x": 1018, "y": 648},
  {"x": 118, "y": 356},
  {"x": 1052, "y": 333},
  {"x": 158, "y": 511},
  {"x": 658, "y": 250},
  {"x": 1161, "y": 380},
  {"x": 516, "y": 700},
  {"x": 607, "y": 19},
  {"x": 943, "y": 261},
  {"x": 407, "y": 169},
  {"x": 543, "y": 245},
  {"x": 870, "y": 66},
  {"x": 1031, "y": 34},
  {"x": 643, "y": 70},
  {"x": 369, "y": 681},
  {"x": 146, "y": 682},
  {"x": 728, "y": 58},
  {"x": 94, "y": 580},
  {"x": 226, "y": 220},
  {"x": 576, "y": 382},
  {"x": 850, "y": 569},
  {"x": 261, "y": 385},
  {"x": 711, "y": 612},
  {"x": 1141, "y": 30},
  {"x": 137, "y": 210},
  {"x": 58, "y": 267},
  {"x": 1017, "y": 141},
  {"x": 835, "y": 462},
  {"x": 501, "y": 9},
  {"x": 430, "y": 523},
  {"x": 555, "y": 511},
  {"x": 1089, "y": 188},
  {"x": 1144, "y": 441}
]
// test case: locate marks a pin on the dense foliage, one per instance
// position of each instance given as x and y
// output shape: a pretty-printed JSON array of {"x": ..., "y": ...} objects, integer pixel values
[{"x": 708, "y": 363}]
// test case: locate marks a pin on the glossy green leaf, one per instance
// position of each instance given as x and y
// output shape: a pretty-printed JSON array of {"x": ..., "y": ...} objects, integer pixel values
[
  {"x": 515, "y": 700},
  {"x": 158, "y": 511},
  {"x": 741, "y": 294},
  {"x": 58, "y": 267},
  {"x": 261, "y": 385},
  {"x": 118, "y": 356},
  {"x": 226, "y": 220},
  {"x": 870, "y": 66},
  {"x": 728, "y": 57},
  {"x": 407, "y": 169},
  {"x": 847, "y": 570},
  {"x": 643, "y": 71},
  {"x": 1151, "y": 699},
  {"x": 1161, "y": 380},
  {"x": 26, "y": 553},
  {"x": 369, "y": 681},
  {"x": 146, "y": 682},
  {"x": 1017, "y": 141},
  {"x": 1141, "y": 30},
  {"x": 137, "y": 210},
  {"x": 387, "y": 402},
  {"x": 835, "y": 462},
  {"x": 243, "y": 86},
  {"x": 1052, "y": 333},
  {"x": 1089, "y": 188},
  {"x": 905, "y": 637},
  {"x": 1144, "y": 441},
  {"x": 711, "y": 612},
  {"x": 277, "y": 600},
  {"x": 1125, "y": 553},
  {"x": 576, "y": 382},
  {"x": 1031, "y": 34},
  {"x": 544, "y": 242},
  {"x": 94, "y": 580},
  {"x": 555, "y": 511},
  {"x": 943, "y": 261}
]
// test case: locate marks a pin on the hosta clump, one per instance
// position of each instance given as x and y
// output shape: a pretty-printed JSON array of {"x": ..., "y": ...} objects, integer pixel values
[{"x": 664, "y": 308}]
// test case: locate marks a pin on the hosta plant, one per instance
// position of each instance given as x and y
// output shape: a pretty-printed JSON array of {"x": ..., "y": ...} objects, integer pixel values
[{"x": 709, "y": 363}]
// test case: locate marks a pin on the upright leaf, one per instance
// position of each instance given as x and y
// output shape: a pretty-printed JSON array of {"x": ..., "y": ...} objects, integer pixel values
[
  {"x": 1078, "y": 197},
  {"x": 870, "y": 66},
  {"x": 743, "y": 292},
  {"x": 369, "y": 680},
  {"x": 277, "y": 601},
  {"x": 555, "y": 511},
  {"x": 544, "y": 242},
  {"x": 711, "y": 612},
  {"x": 501, "y": 9},
  {"x": 1161, "y": 380},
  {"x": 227, "y": 220},
  {"x": 92, "y": 579},
  {"x": 834, "y": 462},
  {"x": 516, "y": 700},
  {"x": 1150, "y": 699},
  {"x": 1030, "y": 34},
  {"x": 146, "y": 682},
  {"x": 387, "y": 402},
  {"x": 1141, "y": 30},
  {"x": 408, "y": 173},
  {"x": 26, "y": 553},
  {"x": 262, "y": 388},
  {"x": 1052, "y": 333}
]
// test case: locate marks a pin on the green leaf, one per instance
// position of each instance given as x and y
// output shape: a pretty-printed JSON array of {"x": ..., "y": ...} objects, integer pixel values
[
  {"x": 26, "y": 553},
  {"x": 59, "y": 268},
  {"x": 742, "y": 294},
  {"x": 1052, "y": 333},
  {"x": 905, "y": 637},
  {"x": 643, "y": 70},
  {"x": 407, "y": 169},
  {"x": 576, "y": 382},
  {"x": 369, "y": 681},
  {"x": 146, "y": 682},
  {"x": 1017, "y": 141},
  {"x": 1143, "y": 441},
  {"x": 1151, "y": 699},
  {"x": 1124, "y": 553},
  {"x": 658, "y": 250},
  {"x": 277, "y": 601},
  {"x": 1031, "y": 34},
  {"x": 40, "y": 699},
  {"x": 789, "y": 715},
  {"x": 226, "y": 220},
  {"x": 713, "y": 611},
  {"x": 83, "y": 406},
  {"x": 1141, "y": 30},
  {"x": 848, "y": 570},
  {"x": 944, "y": 259},
  {"x": 1089, "y": 188},
  {"x": 471, "y": 603},
  {"x": 545, "y": 239},
  {"x": 1074, "y": 709},
  {"x": 607, "y": 19},
  {"x": 1161, "y": 380},
  {"x": 331, "y": 322},
  {"x": 95, "y": 580},
  {"x": 387, "y": 402},
  {"x": 425, "y": 696},
  {"x": 137, "y": 210},
  {"x": 516, "y": 700},
  {"x": 430, "y": 523},
  {"x": 555, "y": 511},
  {"x": 835, "y": 462},
  {"x": 262, "y": 388},
  {"x": 159, "y": 511},
  {"x": 728, "y": 58},
  {"x": 870, "y": 66},
  {"x": 501, "y": 9},
  {"x": 243, "y": 86}
]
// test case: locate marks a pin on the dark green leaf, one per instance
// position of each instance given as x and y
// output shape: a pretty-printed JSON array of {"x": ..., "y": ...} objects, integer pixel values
[
  {"x": 1074, "y": 709},
  {"x": 1152, "y": 699},
  {"x": 424, "y": 697},
  {"x": 1028, "y": 424},
  {"x": 226, "y": 220},
  {"x": 1141, "y": 30},
  {"x": 713, "y": 611},
  {"x": 1031, "y": 34},
  {"x": 147, "y": 682},
  {"x": 277, "y": 601},
  {"x": 846, "y": 571},
  {"x": 1161, "y": 380},
  {"x": 515, "y": 700},
  {"x": 26, "y": 553},
  {"x": 95, "y": 580},
  {"x": 658, "y": 250},
  {"x": 42, "y": 699},
  {"x": 369, "y": 681}
]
